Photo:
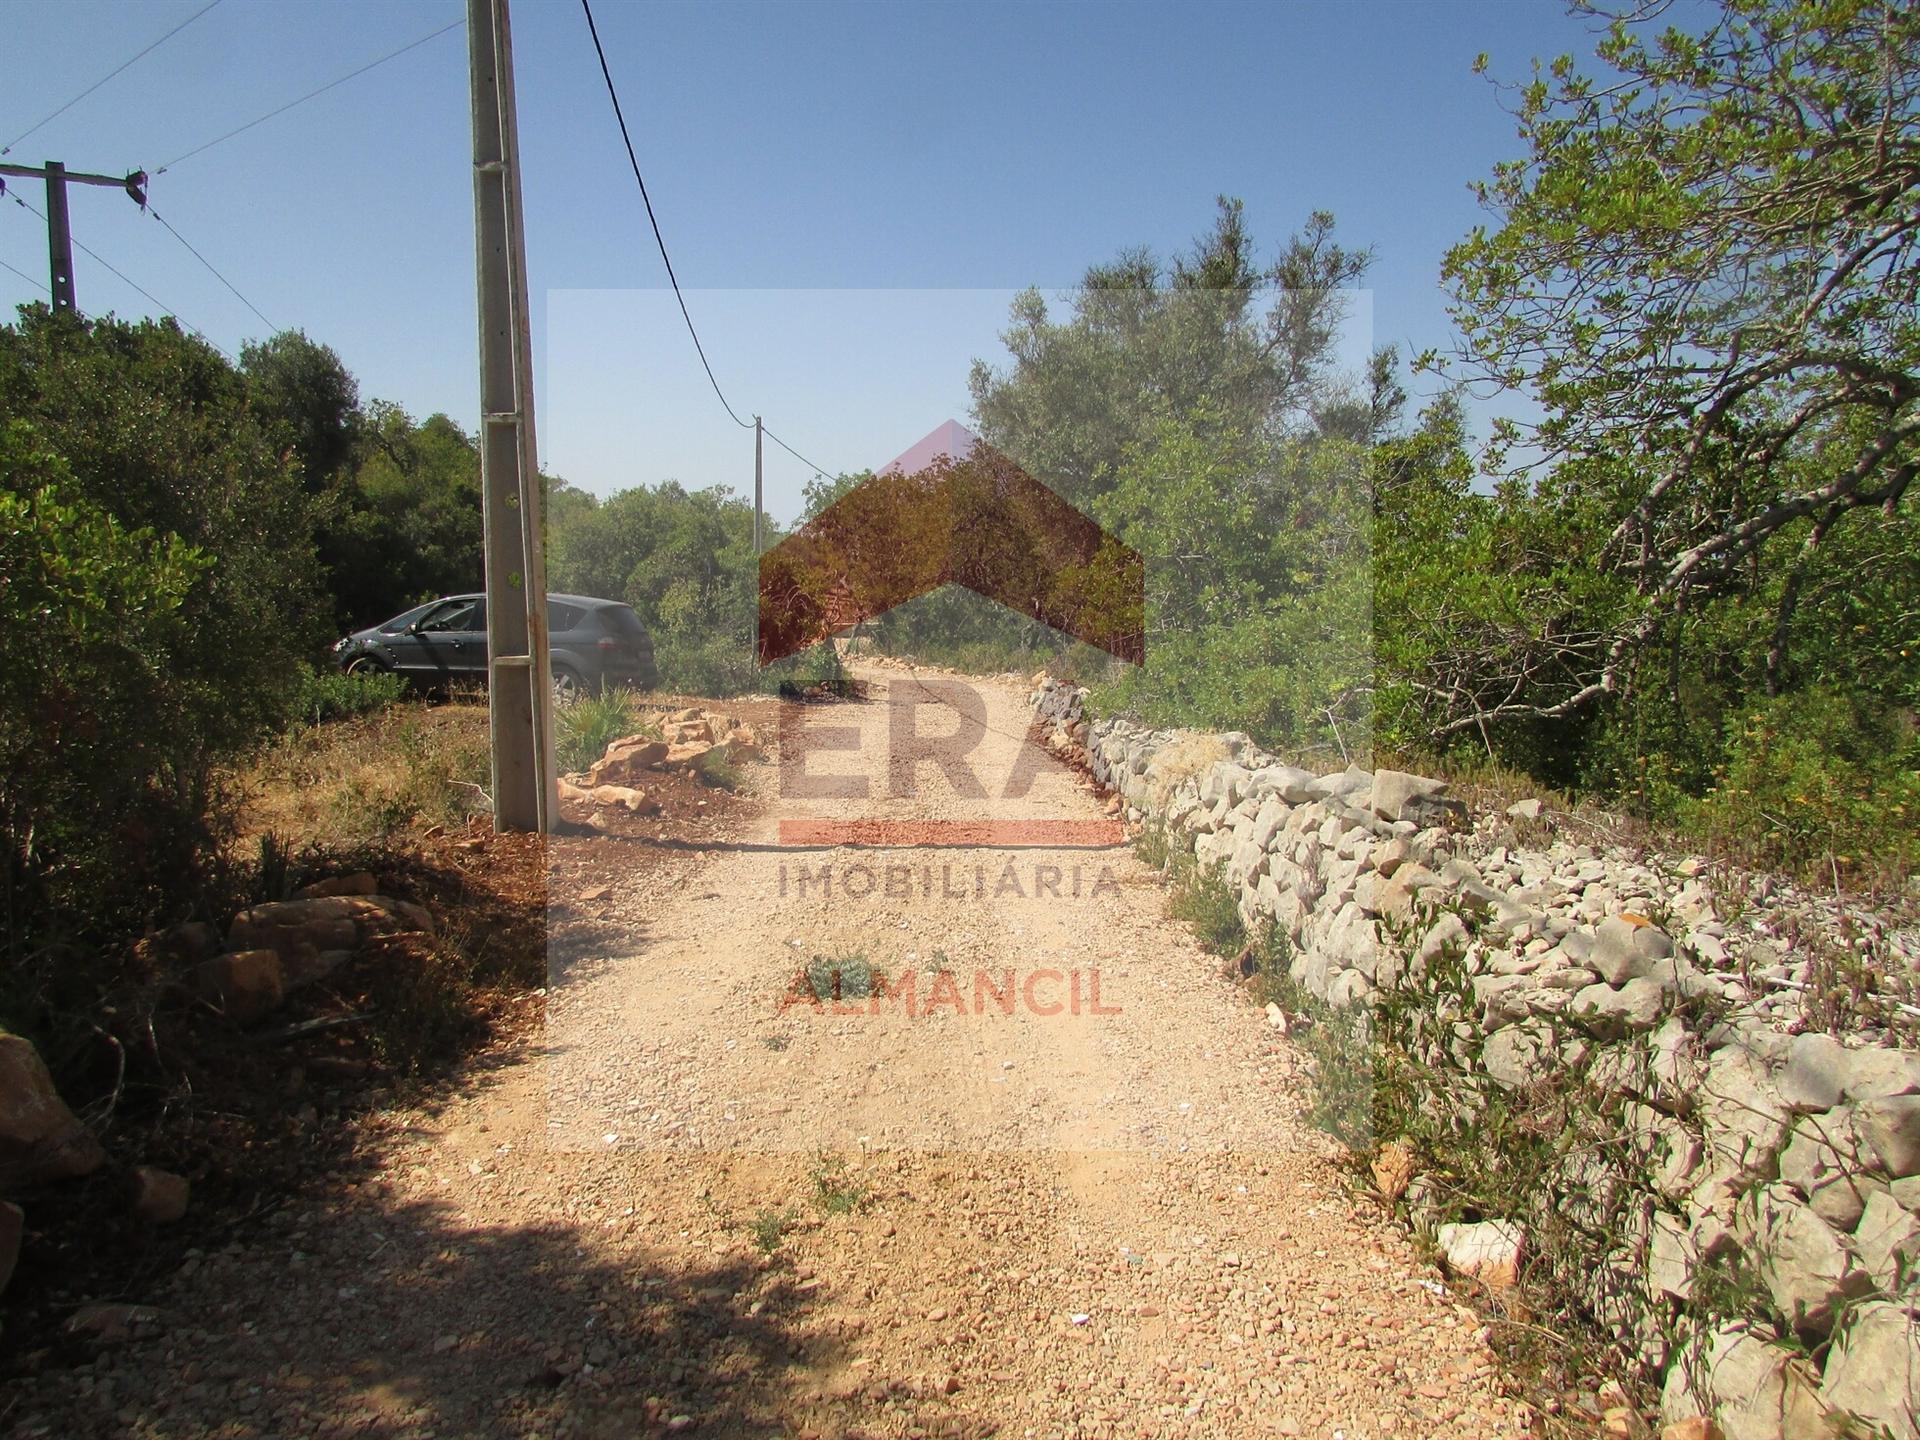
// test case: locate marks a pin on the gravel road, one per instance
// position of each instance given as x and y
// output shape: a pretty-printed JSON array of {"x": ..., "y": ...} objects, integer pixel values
[{"x": 704, "y": 1201}]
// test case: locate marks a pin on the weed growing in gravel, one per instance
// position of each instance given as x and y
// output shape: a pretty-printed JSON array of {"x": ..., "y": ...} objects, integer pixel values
[
  {"x": 718, "y": 769},
  {"x": 770, "y": 1229},
  {"x": 835, "y": 1190},
  {"x": 848, "y": 977},
  {"x": 1203, "y": 899},
  {"x": 775, "y": 1042},
  {"x": 1152, "y": 847}
]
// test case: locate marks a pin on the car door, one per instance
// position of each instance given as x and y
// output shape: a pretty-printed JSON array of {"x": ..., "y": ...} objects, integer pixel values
[
  {"x": 452, "y": 641},
  {"x": 409, "y": 647}
]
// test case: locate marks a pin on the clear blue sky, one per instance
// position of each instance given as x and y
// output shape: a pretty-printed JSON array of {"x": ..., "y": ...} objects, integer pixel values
[{"x": 917, "y": 148}]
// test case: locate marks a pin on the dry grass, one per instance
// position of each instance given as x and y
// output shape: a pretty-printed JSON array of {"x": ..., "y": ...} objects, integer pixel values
[
  {"x": 1184, "y": 756},
  {"x": 363, "y": 781}
]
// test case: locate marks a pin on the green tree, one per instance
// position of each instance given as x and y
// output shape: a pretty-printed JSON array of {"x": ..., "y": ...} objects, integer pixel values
[
  {"x": 156, "y": 429},
  {"x": 304, "y": 394},
  {"x": 1705, "y": 271}
]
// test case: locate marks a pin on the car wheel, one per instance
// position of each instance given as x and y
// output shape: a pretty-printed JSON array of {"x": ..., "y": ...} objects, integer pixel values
[
  {"x": 567, "y": 686},
  {"x": 367, "y": 665}
]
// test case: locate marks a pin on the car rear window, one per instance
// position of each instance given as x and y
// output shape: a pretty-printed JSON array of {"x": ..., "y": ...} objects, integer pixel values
[{"x": 620, "y": 620}]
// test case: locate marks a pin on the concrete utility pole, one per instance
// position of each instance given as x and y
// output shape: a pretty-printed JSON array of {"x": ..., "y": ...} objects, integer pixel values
[
  {"x": 519, "y": 680},
  {"x": 758, "y": 432},
  {"x": 59, "y": 231}
]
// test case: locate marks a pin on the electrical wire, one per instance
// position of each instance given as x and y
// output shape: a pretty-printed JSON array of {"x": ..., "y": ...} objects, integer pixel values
[
  {"x": 310, "y": 95},
  {"x": 108, "y": 76},
  {"x": 24, "y": 276},
  {"x": 152, "y": 299},
  {"x": 216, "y": 274},
  {"x": 658, "y": 239},
  {"x": 817, "y": 469}
]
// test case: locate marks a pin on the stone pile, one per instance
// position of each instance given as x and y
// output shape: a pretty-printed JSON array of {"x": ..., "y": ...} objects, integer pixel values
[
  {"x": 676, "y": 740},
  {"x": 269, "y": 952},
  {"x": 1531, "y": 966}
]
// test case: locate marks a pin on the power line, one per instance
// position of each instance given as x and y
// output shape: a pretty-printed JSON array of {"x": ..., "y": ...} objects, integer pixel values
[
  {"x": 109, "y": 75},
  {"x": 614, "y": 95},
  {"x": 22, "y": 274},
  {"x": 817, "y": 469},
  {"x": 152, "y": 299},
  {"x": 311, "y": 95},
  {"x": 658, "y": 239},
  {"x": 216, "y": 274}
]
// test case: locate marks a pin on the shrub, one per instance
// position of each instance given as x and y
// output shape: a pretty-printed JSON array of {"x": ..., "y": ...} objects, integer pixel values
[
  {"x": 324, "y": 695},
  {"x": 584, "y": 728},
  {"x": 848, "y": 977},
  {"x": 1816, "y": 782}
]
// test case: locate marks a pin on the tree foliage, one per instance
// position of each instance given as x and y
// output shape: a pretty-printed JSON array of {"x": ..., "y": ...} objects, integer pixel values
[{"x": 1705, "y": 270}]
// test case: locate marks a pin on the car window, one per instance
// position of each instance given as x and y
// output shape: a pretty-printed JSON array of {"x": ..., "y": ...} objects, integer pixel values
[
  {"x": 400, "y": 622},
  {"x": 562, "y": 617},
  {"x": 456, "y": 615},
  {"x": 620, "y": 620}
]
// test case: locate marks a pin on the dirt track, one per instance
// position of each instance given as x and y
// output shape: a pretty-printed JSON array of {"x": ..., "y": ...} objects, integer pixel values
[{"x": 705, "y": 1203}]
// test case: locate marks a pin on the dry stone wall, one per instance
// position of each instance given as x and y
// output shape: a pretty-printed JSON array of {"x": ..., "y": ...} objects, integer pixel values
[{"x": 1733, "y": 1195}]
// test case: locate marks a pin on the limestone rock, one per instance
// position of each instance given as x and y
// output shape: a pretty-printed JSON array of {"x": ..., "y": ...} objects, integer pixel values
[
  {"x": 1671, "y": 1257},
  {"x": 159, "y": 1196},
  {"x": 1876, "y": 1074},
  {"x": 626, "y": 760},
  {"x": 1887, "y": 1240},
  {"x": 1526, "y": 810},
  {"x": 1628, "y": 949},
  {"x": 1290, "y": 784},
  {"x": 1517, "y": 1055},
  {"x": 1762, "y": 1390},
  {"x": 1890, "y": 1126},
  {"x": 1806, "y": 1266},
  {"x": 246, "y": 984},
  {"x": 1873, "y": 1370},
  {"x": 626, "y": 797},
  {"x": 1397, "y": 795},
  {"x": 1636, "y": 1005},
  {"x": 1816, "y": 1073},
  {"x": 1224, "y": 780},
  {"x": 1390, "y": 855},
  {"x": 1489, "y": 1251},
  {"x": 1746, "y": 1119},
  {"x": 1821, "y": 1162},
  {"x": 40, "y": 1138},
  {"x": 361, "y": 882}
]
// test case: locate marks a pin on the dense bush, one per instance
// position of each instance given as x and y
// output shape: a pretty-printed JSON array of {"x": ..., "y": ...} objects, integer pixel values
[
  {"x": 159, "y": 594},
  {"x": 329, "y": 695},
  {"x": 102, "y": 780}
]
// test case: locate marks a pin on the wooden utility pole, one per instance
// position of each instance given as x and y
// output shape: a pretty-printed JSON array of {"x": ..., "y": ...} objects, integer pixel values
[
  {"x": 59, "y": 230},
  {"x": 519, "y": 679},
  {"x": 758, "y": 433}
]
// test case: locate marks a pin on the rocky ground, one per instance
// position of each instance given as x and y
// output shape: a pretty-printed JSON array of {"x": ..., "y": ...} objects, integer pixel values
[{"x": 708, "y": 1197}]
